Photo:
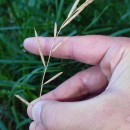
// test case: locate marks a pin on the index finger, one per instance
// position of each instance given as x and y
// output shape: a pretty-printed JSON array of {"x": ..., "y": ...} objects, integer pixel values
[{"x": 86, "y": 49}]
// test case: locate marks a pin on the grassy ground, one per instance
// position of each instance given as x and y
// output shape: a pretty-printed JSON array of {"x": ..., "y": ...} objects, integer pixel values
[{"x": 20, "y": 72}]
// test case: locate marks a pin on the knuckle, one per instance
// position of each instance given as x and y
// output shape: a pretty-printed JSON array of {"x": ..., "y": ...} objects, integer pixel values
[
  {"x": 83, "y": 86},
  {"x": 54, "y": 94},
  {"x": 71, "y": 52},
  {"x": 111, "y": 59}
]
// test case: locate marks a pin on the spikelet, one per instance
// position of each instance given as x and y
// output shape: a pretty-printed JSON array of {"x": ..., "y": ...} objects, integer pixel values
[
  {"x": 22, "y": 99},
  {"x": 55, "y": 30},
  {"x": 73, "y": 8},
  {"x": 39, "y": 47},
  {"x": 76, "y": 13},
  {"x": 53, "y": 78}
]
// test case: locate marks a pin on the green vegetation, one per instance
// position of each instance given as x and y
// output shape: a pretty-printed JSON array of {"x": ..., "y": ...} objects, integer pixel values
[{"x": 20, "y": 72}]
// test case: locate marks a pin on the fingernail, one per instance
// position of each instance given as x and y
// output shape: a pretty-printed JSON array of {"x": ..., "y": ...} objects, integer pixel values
[
  {"x": 35, "y": 126},
  {"x": 27, "y": 43},
  {"x": 30, "y": 44},
  {"x": 29, "y": 109},
  {"x": 36, "y": 111}
]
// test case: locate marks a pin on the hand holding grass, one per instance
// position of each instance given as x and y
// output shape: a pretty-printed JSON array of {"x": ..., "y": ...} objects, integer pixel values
[{"x": 66, "y": 107}]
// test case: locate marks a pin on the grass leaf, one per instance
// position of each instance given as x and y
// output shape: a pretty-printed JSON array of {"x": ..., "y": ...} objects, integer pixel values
[
  {"x": 120, "y": 32},
  {"x": 22, "y": 123},
  {"x": 2, "y": 125}
]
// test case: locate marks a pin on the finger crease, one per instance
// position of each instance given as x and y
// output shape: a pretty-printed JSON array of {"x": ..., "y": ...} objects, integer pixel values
[
  {"x": 71, "y": 53},
  {"x": 54, "y": 94}
]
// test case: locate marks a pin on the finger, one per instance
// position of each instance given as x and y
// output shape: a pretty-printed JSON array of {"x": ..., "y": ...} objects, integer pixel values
[
  {"x": 77, "y": 87},
  {"x": 87, "y": 49},
  {"x": 86, "y": 82},
  {"x": 41, "y": 107},
  {"x": 73, "y": 116},
  {"x": 36, "y": 126}
]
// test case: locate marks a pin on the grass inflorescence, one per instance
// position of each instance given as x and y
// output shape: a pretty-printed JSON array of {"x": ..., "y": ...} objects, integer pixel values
[{"x": 75, "y": 11}]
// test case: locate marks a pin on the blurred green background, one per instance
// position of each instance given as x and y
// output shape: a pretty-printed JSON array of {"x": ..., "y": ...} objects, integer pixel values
[{"x": 20, "y": 72}]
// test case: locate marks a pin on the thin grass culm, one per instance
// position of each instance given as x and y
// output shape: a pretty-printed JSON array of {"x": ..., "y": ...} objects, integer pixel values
[
  {"x": 74, "y": 12},
  {"x": 48, "y": 61}
]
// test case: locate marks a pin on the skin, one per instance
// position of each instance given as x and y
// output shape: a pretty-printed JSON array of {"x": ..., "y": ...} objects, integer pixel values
[{"x": 68, "y": 106}]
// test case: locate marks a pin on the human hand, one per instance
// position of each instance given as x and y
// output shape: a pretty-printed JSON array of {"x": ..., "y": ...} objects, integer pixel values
[{"x": 64, "y": 109}]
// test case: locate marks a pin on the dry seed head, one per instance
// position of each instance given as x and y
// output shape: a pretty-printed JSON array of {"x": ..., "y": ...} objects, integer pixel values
[
  {"x": 73, "y": 11},
  {"x": 72, "y": 14},
  {"x": 48, "y": 61}
]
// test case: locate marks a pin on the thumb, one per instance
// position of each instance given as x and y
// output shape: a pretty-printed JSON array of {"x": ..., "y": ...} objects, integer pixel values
[{"x": 54, "y": 115}]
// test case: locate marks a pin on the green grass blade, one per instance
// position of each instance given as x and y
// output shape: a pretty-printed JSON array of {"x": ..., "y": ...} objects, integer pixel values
[
  {"x": 2, "y": 125},
  {"x": 23, "y": 123},
  {"x": 96, "y": 18},
  {"x": 60, "y": 10},
  {"x": 121, "y": 32}
]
